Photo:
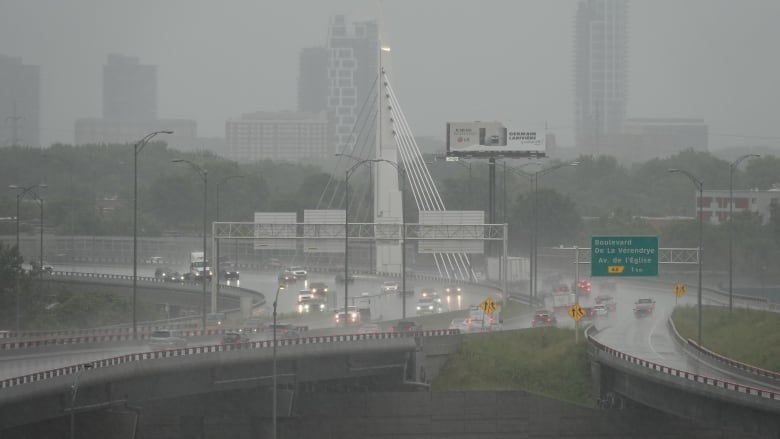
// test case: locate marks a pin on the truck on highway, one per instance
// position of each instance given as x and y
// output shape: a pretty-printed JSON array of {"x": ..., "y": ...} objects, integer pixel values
[
  {"x": 562, "y": 300},
  {"x": 199, "y": 267},
  {"x": 644, "y": 307}
]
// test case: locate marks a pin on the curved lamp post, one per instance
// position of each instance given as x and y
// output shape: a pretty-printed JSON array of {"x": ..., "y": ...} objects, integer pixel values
[
  {"x": 137, "y": 148},
  {"x": 219, "y": 184},
  {"x": 700, "y": 186},
  {"x": 21, "y": 192},
  {"x": 204, "y": 174},
  {"x": 273, "y": 373},
  {"x": 732, "y": 166},
  {"x": 349, "y": 171}
]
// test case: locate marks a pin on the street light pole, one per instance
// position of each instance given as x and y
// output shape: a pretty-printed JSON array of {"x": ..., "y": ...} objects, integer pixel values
[
  {"x": 349, "y": 171},
  {"x": 204, "y": 174},
  {"x": 700, "y": 186},
  {"x": 273, "y": 373},
  {"x": 732, "y": 166},
  {"x": 137, "y": 148},
  {"x": 21, "y": 192},
  {"x": 538, "y": 174},
  {"x": 216, "y": 265}
]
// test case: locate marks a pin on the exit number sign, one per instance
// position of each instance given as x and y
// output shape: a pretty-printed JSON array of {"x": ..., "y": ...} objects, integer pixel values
[{"x": 619, "y": 256}]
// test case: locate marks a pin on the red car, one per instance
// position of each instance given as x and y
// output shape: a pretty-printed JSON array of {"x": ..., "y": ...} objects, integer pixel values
[
  {"x": 583, "y": 286},
  {"x": 543, "y": 317}
]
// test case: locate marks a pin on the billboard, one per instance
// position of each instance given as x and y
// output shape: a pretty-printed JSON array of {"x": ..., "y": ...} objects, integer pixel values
[{"x": 486, "y": 139}]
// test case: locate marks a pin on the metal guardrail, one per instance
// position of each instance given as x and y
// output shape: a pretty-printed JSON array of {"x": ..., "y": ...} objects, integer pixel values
[
  {"x": 265, "y": 344},
  {"x": 677, "y": 373}
]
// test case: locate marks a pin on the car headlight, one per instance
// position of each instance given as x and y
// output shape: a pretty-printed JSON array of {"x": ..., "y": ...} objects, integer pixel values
[
  {"x": 322, "y": 306},
  {"x": 430, "y": 307},
  {"x": 418, "y": 308}
]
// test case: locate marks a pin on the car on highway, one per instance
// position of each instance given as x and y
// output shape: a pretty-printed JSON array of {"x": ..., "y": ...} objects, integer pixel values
[
  {"x": 162, "y": 272},
  {"x": 369, "y": 328},
  {"x": 428, "y": 305},
  {"x": 163, "y": 339},
  {"x": 600, "y": 310},
  {"x": 607, "y": 301},
  {"x": 406, "y": 326},
  {"x": 173, "y": 276},
  {"x": 284, "y": 331},
  {"x": 309, "y": 302},
  {"x": 319, "y": 288},
  {"x": 252, "y": 325},
  {"x": 156, "y": 260},
  {"x": 460, "y": 324},
  {"x": 390, "y": 287},
  {"x": 229, "y": 273},
  {"x": 286, "y": 277},
  {"x": 453, "y": 291},
  {"x": 542, "y": 318},
  {"x": 299, "y": 272},
  {"x": 583, "y": 286},
  {"x": 234, "y": 337},
  {"x": 429, "y": 292},
  {"x": 351, "y": 317}
]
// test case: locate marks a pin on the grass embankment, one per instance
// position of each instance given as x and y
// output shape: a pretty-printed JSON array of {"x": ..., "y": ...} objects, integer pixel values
[
  {"x": 748, "y": 336},
  {"x": 544, "y": 361}
]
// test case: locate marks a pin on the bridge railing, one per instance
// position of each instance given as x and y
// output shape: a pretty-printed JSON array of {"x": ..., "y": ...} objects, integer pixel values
[
  {"x": 681, "y": 374},
  {"x": 264, "y": 344}
]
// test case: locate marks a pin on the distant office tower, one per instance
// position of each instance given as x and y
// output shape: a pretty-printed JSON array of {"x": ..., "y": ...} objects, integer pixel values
[
  {"x": 282, "y": 135},
  {"x": 129, "y": 89},
  {"x": 20, "y": 102},
  {"x": 600, "y": 71},
  {"x": 313, "y": 80},
  {"x": 130, "y": 109}
]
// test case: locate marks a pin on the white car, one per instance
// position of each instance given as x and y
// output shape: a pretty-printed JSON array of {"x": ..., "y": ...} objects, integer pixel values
[
  {"x": 390, "y": 287},
  {"x": 299, "y": 272},
  {"x": 167, "y": 339},
  {"x": 600, "y": 310}
]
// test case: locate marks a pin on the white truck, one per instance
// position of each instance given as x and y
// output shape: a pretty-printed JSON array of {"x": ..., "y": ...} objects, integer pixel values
[
  {"x": 199, "y": 266},
  {"x": 561, "y": 301}
]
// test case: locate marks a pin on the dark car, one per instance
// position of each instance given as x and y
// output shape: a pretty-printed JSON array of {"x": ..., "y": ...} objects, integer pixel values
[
  {"x": 174, "y": 276},
  {"x": 340, "y": 278},
  {"x": 162, "y": 272},
  {"x": 235, "y": 338},
  {"x": 287, "y": 277},
  {"x": 229, "y": 273},
  {"x": 543, "y": 317},
  {"x": 406, "y": 326}
]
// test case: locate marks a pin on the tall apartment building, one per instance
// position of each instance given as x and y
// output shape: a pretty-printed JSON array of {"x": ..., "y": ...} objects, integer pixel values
[
  {"x": 129, "y": 89},
  {"x": 600, "y": 72},
  {"x": 285, "y": 135},
  {"x": 20, "y": 102},
  {"x": 341, "y": 78}
]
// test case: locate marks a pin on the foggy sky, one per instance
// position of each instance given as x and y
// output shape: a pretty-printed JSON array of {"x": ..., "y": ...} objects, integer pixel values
[{"x": 452, "y": 60}]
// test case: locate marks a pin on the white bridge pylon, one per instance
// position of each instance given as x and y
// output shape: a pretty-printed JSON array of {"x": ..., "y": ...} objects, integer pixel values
[{"x": 395, "y": 142}]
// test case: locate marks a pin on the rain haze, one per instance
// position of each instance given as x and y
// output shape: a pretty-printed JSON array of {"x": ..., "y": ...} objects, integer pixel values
[{"x": 510, "y": 61}]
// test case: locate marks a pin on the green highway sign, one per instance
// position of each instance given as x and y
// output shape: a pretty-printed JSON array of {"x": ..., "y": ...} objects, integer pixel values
[{"x": 619, "y": 256}]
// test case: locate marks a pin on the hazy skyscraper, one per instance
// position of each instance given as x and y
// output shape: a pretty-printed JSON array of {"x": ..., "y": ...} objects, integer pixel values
[
  {"x": 129, "y": 89},
  {"x": 341, "y": 78},
  {"x": 313, "y": 80},
  {"x": 600, "y": 71},
  {"x": 20, "y": 102}
]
